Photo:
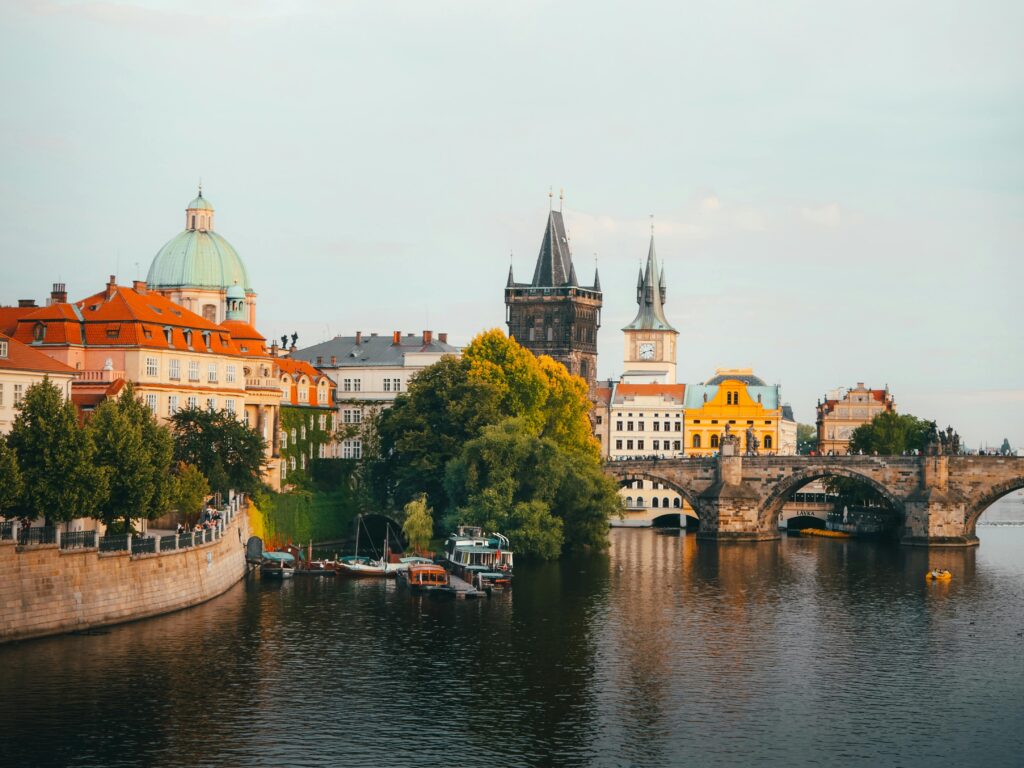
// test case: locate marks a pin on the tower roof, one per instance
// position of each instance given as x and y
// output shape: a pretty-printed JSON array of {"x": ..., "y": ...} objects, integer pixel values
[
  {"x": 650, "y": 286},
  {"x": 554, "y": 262}
]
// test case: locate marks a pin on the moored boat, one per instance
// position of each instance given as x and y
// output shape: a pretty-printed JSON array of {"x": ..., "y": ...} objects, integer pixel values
[
  {"x": 482, "y": 559},
  {"x": 938, "y": 574},
  {"x": 278, "y": 564},
  {"x": 423, "y": 577}
]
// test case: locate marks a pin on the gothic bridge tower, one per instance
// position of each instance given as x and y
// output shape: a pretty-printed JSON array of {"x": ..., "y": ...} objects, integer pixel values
[{"x": 553, "y": 314}]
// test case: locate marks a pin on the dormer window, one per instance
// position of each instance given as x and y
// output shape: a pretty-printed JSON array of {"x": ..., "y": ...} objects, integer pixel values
[
  {"x": 188, "y": 338},
  {"x": 39, "y": 331},
  {"x": 3, "y": 349},
  {"x": 168, "y": 337}
]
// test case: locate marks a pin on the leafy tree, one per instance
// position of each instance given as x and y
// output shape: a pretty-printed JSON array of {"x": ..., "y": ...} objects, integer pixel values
[
  {"x": 226, "y": 451},
  {"x": 11, "y": 485},
  {"x": 426, "y": 428},
  {"x": 137, "y": 454},
  {"x": 56, "y": 457},
  {"x": 191, "y": 490},
  {"x": 542, "y": 497},
  {"x": 890, "y": 434},
  {"x": 806, "y": 438},
  {"x": 418, "y": 527}
]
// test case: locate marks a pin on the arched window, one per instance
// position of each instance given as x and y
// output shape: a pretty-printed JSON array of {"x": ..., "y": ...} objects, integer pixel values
[
  {"x": 714, "y": 441},
  {"x": 664, "y": 502},
  {"x": 767, "y": 442},
  {"x": 654, "y": 502},
  {"x": 696, "y": 441},
  {"x": 677, "y": 503},
  {"x": 210, "y": 312},
  {"x": 193, "y": 221},
  {"x": 629, "y": 501}
]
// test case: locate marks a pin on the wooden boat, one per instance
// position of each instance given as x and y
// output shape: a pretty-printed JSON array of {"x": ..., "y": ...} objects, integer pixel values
[
  {"x": 470, "y": 553},
  {"x": 423, "y": 577},
  {"x": 278, "y": 565}
]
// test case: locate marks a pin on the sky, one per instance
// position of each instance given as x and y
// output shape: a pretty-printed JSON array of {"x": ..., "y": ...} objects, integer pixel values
[{"x": 837, "y": 189}]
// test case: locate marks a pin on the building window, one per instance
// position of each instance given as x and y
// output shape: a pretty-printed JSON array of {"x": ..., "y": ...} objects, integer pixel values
[
  {"x": 284, "y": 439},
  {"x": 284, "y": 469},
  {"x": 397, "y": 383},
  {"x": 210, "y": 313},
  {"x": 639, "y": 426},
  {"x": 193, "y": 370},
  {"x": 174, "y": 370},
  {"x": 656, "y": 445},
  {"x": 387, "y": 385},
  {"x": 245, "y": 417},
  {"x": 321, "y": 395},
  {"x": 639, "y": 445},
  {"x": 292, "y": 462},
  {"x": 357, "y": 385},
  {"x": 352, "y": 449},
  {"x": 172, "y": 405},
  {"x": 346, "y": 385},
  {"x": 667, "y": 427},
  {"x": 3, "y": 348},
  {"x": 696, "y": 441},
  {"x": 629, "y": 501},
  {"x": 629, "y": 445},
  {"x": 618, "y": 445},
  {"x": 229, "y": 374},
  {"x": 1, "y": 393},
  {"x": 192, "y": 401},
  {"x": 152, "y": 369},
  {"x": 618, "y": 426},
  {"x": 302, "y": 460},
  {"x": 229, "y": 405},
  {"x": 767, "y": 442},
  {"x": 323, "y": 421},
  {"x": 629, "y": 426},
  {"x": 303, "y": 389},
  {"x": 657, "y": 426},
  {"x": 600, "y": 419},
  {"x": 151, "y": 403},
  {"x": 679, "y": 426},
  {"x": 714, "y": 441},
  {"x": 211, "y": 373},
  {"x": 18, "y": 389},
  {"x": 295, "y": 435},
  {"x": 211, "y": 404},
  {"x": 303, "y": 431},
  {"x": 677, "y": 502}
]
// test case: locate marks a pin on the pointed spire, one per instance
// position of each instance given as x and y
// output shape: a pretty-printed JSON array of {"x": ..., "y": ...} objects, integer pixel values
[
  {"x": 510, "y": 282},
  {"x": 554, "y": 262},
  {"x": 597, "y": 280},
  {"x": 650, "y": 295}
]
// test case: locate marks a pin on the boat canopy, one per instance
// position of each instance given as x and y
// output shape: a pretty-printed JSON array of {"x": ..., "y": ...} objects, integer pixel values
[{"x": 280, "y": 557}]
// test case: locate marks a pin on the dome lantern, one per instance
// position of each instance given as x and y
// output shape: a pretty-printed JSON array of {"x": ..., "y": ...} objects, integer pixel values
[{"x": 199, "y": 214}]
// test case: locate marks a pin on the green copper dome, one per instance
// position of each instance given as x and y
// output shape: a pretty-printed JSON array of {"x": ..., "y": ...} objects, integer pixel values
[{"x": 198, "y": 257}]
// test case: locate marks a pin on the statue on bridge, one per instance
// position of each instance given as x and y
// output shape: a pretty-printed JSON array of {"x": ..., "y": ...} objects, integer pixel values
[
  {"x": 753, "y": 444},
  {"x": 729, "y": 445},
  {"x": 939, "y": 442}
]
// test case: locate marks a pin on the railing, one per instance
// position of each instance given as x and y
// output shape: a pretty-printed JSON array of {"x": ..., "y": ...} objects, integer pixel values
[
  {"x": 7, "y": 530},
  {"x": 41, "y": 535},
  {"x": 115, "y": 543},
  {"x": 78, "y": 540},
  {"x": 101, "y": 375},
  {"x": 168, "y": 543},
  {"x": 262, "y": 382},
  {"x": 141, "y": 545}
]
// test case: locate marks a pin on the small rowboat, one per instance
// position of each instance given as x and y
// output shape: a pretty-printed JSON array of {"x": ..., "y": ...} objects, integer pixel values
[{"x": 938, "y": 574}]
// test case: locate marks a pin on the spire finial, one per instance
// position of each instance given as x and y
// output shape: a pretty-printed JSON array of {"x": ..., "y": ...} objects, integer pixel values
[
  {"x": 652, "y": 225},
  {"x": 561, "y": 199},
  {"x": 200, "y": 186},
  {"x": 551, "y": 198}
]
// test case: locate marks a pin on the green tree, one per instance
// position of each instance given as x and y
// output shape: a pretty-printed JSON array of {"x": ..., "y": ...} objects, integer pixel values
[
  {"x": 11, "y": 485},
  {"x": 426, "y": 428},
  {"x": 191, "y": 490},
  {"x": 137, "y": 454},
  {"x": 419, "y": 523},
  {"x": 806, "y": 438},
  {"x": 56, "y": 457},
  {"x": 228, "y": 453},
  {"x": 890, "y": 434}
]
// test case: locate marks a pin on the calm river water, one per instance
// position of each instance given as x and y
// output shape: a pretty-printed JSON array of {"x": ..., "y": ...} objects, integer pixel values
[{"x": 663, "y": 651}]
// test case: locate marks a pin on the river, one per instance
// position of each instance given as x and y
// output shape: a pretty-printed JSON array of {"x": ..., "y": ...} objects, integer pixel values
[{"x": 662, "y": 651}]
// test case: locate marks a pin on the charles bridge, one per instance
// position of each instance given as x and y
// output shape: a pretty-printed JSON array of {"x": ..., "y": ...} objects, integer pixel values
[{"x": 938, "y": 498}]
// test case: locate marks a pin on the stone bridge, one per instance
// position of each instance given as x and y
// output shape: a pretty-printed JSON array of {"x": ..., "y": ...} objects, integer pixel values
[{"x": 938, "y": 498}]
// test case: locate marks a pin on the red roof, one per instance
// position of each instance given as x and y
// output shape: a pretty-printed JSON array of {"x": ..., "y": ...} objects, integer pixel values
[
  {"x": 298, "y": 368},
  {"x": 21, "y": 357},
  {"x": 647, "y": 390},
  {"x": 9, "y": 317}
]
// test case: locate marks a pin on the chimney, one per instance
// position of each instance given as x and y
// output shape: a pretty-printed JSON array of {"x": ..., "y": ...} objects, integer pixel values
[
  {"x": 428, "y": 336},
  {"x": 359, "y": 338},
  {"x": 59, "y": 294},
  {"x": 396, "y": 338},
  {"x": 443, "y": 338},
  {"x": 860, "y": 385},
  {"x": 112, "y": 286},
  {"x": 334, "y": 361},
  {"x": 26, "y": 302},
  {"x": 139, "y": 286}
]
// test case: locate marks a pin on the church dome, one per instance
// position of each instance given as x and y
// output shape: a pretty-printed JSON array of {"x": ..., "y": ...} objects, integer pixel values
[
  {"x": 198, "y": 257},
  {"x": 747, "y": 377}
]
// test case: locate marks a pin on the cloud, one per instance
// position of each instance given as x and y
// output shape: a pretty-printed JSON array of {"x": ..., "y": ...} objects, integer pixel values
[{"x": 828, "y": 215}]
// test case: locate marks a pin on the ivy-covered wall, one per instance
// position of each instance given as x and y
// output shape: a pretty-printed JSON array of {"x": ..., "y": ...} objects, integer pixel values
[
  {"x": 305, "y": 429},
  {"x": 300, "y": 516}
]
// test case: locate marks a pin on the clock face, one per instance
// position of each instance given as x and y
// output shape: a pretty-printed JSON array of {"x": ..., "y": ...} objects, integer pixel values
[{"x": 647, "y": 351}]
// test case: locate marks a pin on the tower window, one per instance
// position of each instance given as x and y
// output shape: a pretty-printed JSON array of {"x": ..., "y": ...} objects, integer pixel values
[{"x": 193, "y": 221}]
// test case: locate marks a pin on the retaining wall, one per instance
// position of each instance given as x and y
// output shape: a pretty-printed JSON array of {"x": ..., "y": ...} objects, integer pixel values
[{"x": 48, "y": 591}]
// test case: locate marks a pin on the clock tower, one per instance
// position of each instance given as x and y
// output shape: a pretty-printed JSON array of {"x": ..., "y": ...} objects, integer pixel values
[{"x": 650, "y": 355}]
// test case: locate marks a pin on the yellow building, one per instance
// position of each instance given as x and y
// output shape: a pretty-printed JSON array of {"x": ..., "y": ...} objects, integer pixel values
[{"x": 736, "y": 398}]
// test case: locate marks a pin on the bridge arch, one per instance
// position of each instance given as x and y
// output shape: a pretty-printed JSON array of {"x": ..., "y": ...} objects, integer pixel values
[
  {"x": 624, "y": 477},
  {"x": 977, "y": 505},
  {"x": 771, "y": 506}
]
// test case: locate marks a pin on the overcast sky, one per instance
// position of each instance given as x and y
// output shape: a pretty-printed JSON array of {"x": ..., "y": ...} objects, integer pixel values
[{"x": 836, "y": 187}]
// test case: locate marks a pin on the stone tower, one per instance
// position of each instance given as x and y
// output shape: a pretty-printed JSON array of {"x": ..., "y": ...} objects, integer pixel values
[
  {"x": 650, "y": 354},
  {"x": 553, "y": 315}
]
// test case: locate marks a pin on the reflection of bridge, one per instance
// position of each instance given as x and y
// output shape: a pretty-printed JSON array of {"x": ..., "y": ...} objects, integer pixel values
[{"x": 938, "y": 498}]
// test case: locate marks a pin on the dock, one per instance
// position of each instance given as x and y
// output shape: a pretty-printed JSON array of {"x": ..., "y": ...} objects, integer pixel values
[{"x": 462, "y": 589}]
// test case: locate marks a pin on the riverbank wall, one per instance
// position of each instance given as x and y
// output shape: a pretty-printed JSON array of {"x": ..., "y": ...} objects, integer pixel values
[{"x": 48, "y": 590}]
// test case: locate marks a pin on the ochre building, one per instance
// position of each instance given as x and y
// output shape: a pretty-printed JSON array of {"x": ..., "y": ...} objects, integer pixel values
[{"x": 842, "y": 411}]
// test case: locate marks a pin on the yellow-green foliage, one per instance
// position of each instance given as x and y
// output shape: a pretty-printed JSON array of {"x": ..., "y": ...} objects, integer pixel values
[
  {"x": 303, "y": 515},
  {"x": 419, "y": 523}
]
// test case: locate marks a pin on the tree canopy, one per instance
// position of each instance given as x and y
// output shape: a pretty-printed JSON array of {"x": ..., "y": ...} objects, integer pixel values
[
  {"x": 502, "y": 439},
  {"x": 10, "y": 478},
  {"x": 806, "y": 438},
  {"x": 890, "y": 434},
  {"x": 418, "y": 527},
  {"x": 228, "y": 453},
  {"x": 56, "y": 458},
  {"x": 137, "y": 454}
]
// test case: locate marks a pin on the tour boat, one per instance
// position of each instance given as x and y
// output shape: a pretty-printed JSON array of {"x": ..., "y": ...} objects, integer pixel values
[
  {"x": 482, "y": 559},
  {"x": 423, "y": 577},
  {"x": 278, "y": 564},
  {"x": 938, "y": 574}
]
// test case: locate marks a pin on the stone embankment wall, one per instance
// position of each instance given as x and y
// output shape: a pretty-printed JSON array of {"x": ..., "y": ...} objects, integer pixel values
[{"x": 48, "y": 591}]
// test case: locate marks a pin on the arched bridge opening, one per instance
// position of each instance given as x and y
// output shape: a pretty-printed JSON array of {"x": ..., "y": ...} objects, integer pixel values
[
  {"x": 653, "y": 495},
  {"x": 993, "y": 500}
]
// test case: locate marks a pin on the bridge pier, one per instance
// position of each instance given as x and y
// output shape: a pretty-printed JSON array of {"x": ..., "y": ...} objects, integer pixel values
[
  {"x": 936, "y": 516},
  {"x": 730, "y": 508}
]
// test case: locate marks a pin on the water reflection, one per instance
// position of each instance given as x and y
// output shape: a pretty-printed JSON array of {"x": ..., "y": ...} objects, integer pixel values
[{"x": 662, "y": 649}]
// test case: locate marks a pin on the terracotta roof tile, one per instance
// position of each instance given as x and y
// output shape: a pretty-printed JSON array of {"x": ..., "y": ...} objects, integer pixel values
[{"x": 21, "y": 357}]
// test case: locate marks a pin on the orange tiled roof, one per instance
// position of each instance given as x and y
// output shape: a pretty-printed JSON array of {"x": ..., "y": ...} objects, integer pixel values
[
  {"x": 21, "y": 357},
  {"x": 250, "y": 341},
  {"x": 632, "y": 390},
  {"x": 297, "y": 368},
  {"x": 9, "y": 317}
]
